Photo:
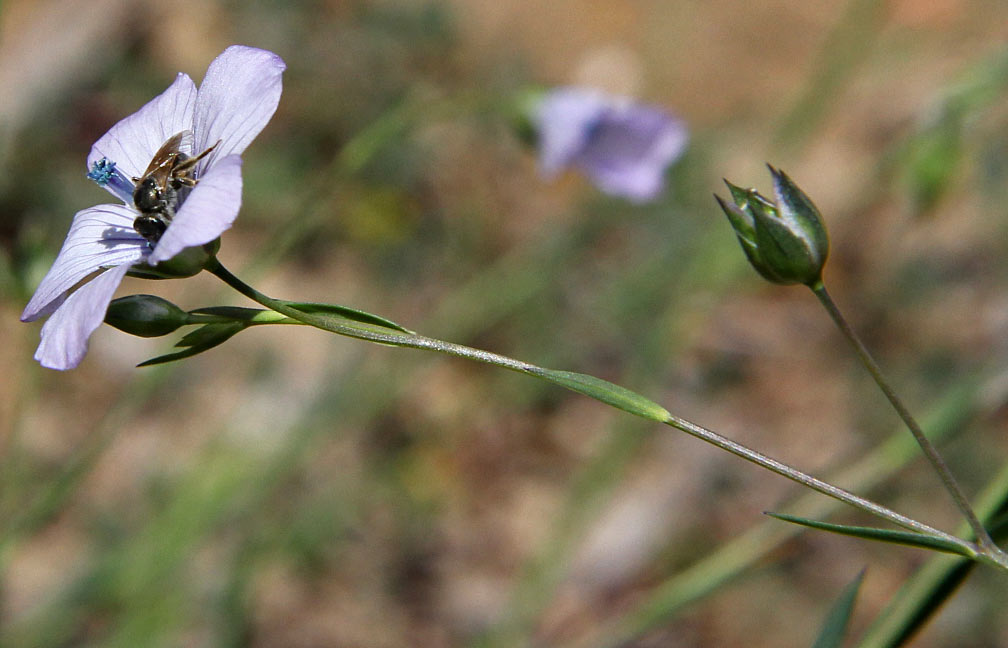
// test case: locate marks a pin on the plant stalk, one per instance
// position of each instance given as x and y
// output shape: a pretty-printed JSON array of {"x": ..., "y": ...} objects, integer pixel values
[
  {"x": 936, "y": 461},
  {"x": 415, "y": 341}
]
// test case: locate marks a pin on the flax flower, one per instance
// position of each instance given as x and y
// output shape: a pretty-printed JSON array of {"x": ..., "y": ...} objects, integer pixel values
[
  {"x": 237, "y": 98},
  {"x": 624, "y": 147}
]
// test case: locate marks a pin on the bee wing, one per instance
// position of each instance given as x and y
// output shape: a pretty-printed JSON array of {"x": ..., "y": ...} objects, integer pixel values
[
  {"x": 186, "y": 141},
  {"x": 161, "y": 165}
]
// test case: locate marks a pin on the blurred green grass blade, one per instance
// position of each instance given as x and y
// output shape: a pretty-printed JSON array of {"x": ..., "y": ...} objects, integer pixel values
[
  {"x": 140, "y": 582},
  {"x": 364, "y": 146},
  {"x": 937, "y": 582},
  {"x": 44, "y": 501},
  {"x": 907, "y": 538},
  {"x": 848, "y": 45},
  {"x": 835, "y": 627},
  {"x": 924, "y": 594},
  {"x": 151, "y": 577},
  {"x": 590, "y": 490},
  {"x": 702, "y": 262},
  {"x": 933, "y": 160}
]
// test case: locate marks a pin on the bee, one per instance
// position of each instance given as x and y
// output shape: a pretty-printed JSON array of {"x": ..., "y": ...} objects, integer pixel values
[{"x": 156, "y": 192}]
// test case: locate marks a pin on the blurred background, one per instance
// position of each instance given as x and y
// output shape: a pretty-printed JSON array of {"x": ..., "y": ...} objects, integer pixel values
[{"x": 292, "y": 488}]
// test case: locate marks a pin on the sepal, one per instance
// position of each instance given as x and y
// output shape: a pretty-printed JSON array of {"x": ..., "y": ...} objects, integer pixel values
[{"x": 187, "y": 263}]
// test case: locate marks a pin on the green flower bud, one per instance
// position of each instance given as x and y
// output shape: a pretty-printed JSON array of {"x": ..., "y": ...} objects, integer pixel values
[
  {"x": 785, "y": 239},
  {"x": 145, "y": 315},
  {"x": 190, "y": 261},
  {"x": 522, "y": 111}
]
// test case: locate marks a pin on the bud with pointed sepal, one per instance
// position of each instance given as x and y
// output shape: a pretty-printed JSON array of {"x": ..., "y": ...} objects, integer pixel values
[
  {"x": 784, "y": 239},
  {"x": 145, "y": 315}
]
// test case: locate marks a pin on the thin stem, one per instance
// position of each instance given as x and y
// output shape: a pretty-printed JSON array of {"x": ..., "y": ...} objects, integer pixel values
[
  {"x": 412, "y": 340},
  {"x": 808, "y": 481},
  {"x": 983, "y": 538},
  {"x": 657, "y": 413}
]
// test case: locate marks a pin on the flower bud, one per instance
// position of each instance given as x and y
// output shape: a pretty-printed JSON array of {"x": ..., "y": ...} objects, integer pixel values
[
  {"x": 522, "y": 114},
  {"x": 145, "y": 315},
  {"x": 785, "y": 239}
]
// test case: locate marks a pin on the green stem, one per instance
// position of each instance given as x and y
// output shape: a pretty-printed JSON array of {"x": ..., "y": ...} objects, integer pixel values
[
  {"x": 600, "y": 390},
  {"x": 926, "y": 446},
  {"x": 825, "y": 488}
]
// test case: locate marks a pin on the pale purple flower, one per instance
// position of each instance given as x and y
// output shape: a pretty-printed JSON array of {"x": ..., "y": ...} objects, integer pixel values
[
  {"x": 237, "y": 98},
  {"x": 624, "y": 147}
]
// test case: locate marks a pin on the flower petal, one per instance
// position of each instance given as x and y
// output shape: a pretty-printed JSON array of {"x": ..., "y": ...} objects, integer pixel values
[
  {"x": 65, "y": 334},
  {"x": 132, "y": 142},
  {"x": 99, "y": 236},
  {"x": 564, "y": 121},
  {"x": 629, "y": 150},
  {"x": 237, "y": 98},
  {"x": 209, "y": 210}
]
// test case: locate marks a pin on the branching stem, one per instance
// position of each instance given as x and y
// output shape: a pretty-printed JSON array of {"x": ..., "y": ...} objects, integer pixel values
[
  {"x": 939, "y": 465},
  {"x": 649, "y": 411}
]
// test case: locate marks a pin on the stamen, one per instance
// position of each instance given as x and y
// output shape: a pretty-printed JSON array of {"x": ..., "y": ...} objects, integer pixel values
[
  {"x": 102, "y": 171},
  {"x": 105, "y": 173}
]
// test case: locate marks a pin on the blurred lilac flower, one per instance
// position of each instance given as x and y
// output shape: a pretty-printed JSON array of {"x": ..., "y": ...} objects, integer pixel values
[
  {"x": 237, "y": 98},
  {"x": 624, "y": 147}
]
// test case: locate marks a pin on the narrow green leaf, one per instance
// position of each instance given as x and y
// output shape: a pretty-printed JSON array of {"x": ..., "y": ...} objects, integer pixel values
[
  {"x": 835, "y": 627},
  {"x": 607, "y": 392},
  {"x": 210, "y": 333},
  {"x": 933, "y": 585},
  {"x": 908, "y": 538},
  {"x": 346, "y": 313},
  {"x": 196, "y": 342},
  {"x": 172, "y": 357}
]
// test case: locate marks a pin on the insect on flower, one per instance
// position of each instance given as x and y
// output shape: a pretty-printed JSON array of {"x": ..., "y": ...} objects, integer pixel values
[
  {"x": 156, "y": 196},
  {"x": 171, "y": 197}
]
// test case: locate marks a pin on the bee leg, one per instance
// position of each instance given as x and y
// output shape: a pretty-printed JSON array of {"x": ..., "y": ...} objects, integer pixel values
[{"x": 186, "y": 165}]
